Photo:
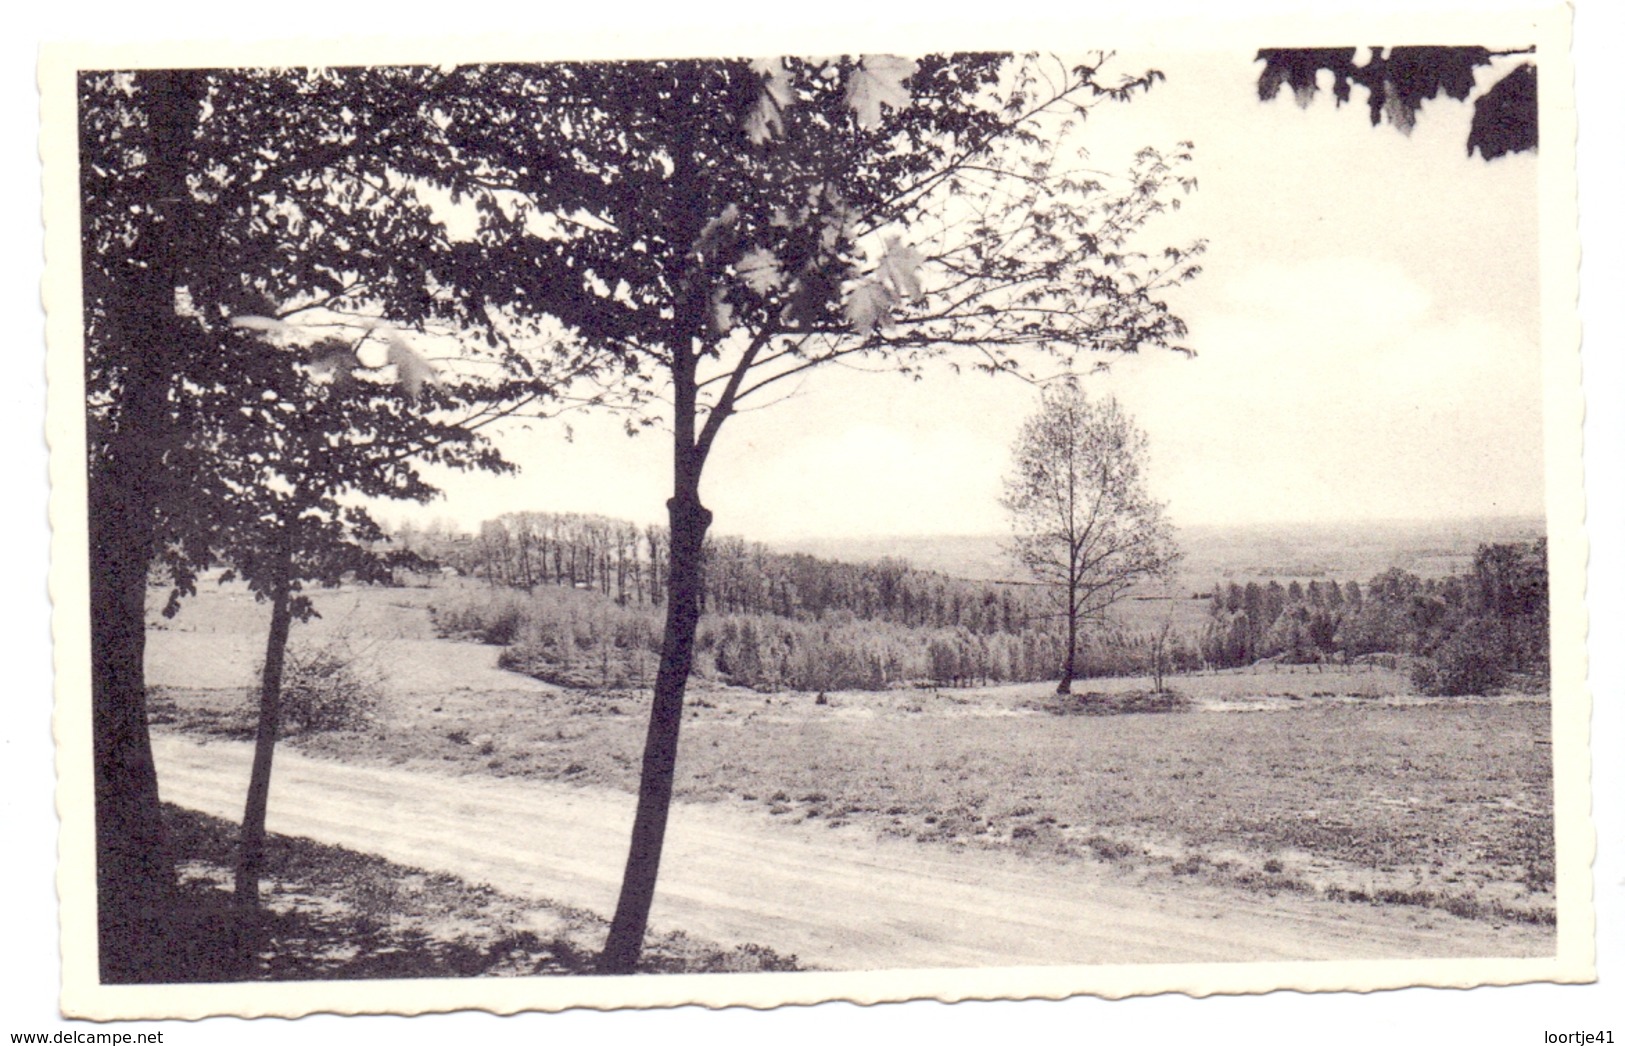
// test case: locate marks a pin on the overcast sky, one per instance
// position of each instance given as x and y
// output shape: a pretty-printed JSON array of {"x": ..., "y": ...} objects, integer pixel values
[{"x": 1367, "y": 336}]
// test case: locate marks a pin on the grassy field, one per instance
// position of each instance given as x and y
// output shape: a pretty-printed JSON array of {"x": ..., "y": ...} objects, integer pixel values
[{"x": 1332, "y": 783}]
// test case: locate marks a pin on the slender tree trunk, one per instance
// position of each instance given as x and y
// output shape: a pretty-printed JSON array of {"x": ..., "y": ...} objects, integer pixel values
[
  {"x": 1069, "y": 664},
  {"x": 689, "y": 522},
  {"x": 251, "y": 844},
  {"x": 685, "y": 584}
]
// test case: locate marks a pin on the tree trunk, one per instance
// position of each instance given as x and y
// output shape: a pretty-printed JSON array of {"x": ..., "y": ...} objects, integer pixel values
[
  {"x": 251, "y": 844},
  {"x": 689, "y": 522},
  {"x": 685, "y": 585},
  {"x": 137, "y": 913},
  {"x": 1069, "y": 665},
  {"x": 135, "y": 876}
]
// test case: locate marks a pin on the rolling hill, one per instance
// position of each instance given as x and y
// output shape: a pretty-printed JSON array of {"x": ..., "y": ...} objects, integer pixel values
[{"x": 1342, "y": 552}]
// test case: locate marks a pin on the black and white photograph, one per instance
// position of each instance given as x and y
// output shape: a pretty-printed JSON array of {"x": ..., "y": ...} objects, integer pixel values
[{"x": 963, "y": 517}]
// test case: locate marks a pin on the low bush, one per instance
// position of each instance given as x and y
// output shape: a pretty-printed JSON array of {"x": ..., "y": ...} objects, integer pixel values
[
  {"x": 333, "y": 685},
  {"x": 1471, "y": 661},
  {"x": 490, "y": 616}
]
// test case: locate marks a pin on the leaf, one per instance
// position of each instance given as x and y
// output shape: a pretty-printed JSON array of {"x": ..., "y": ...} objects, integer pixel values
[
  {"x": 775, "y": 84},
  {"x": 878, "y": 80},
  {"x": 900, "y": 266},
  {"x": 868, "y": 304},
  {"x": 722, "y": 313},
  {"x": 764, "y": 121},
  {"x": 1298, "y": 68},
  {"x": 412, "y": 369},
  {"x": 1506, "y": 118},
  {"x": 811, "y": 293},
  {"x": 712, "y": 232},
  {"x": 767, "y": 116},
  {"x": 836, "y": 220},
  {"x": 760, "y": 270}
]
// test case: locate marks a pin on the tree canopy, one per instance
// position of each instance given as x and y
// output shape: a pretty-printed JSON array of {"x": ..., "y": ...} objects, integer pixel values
[
  {"x": 770, "y": 216},
  {"x": 1398, "y": 80}
]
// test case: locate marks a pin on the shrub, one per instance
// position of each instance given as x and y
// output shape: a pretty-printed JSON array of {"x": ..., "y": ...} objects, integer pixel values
[
  {"x": 1127, "y": 702},
  {"x": 1471, "y": 661},
  {"x": 502, "y": 625},
  {"x": 489, "y": 616},
  {"x": 330, "y": 686}
]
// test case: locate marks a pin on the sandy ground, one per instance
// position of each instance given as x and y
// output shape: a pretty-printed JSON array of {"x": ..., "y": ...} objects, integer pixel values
[{"x": 836, "y": 899}]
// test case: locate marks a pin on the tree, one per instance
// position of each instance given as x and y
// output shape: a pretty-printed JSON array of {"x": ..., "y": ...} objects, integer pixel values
[
  {"x": 1084, "y": 523},
  {"x": 1163, "y": 647},
  {"x": 208, "y": 195},
  {"x": 720, "y": 228},
  {"x": 1509, "y": 588},
  {"x": 1398, "y": 80},
  {"x": 324, "y": 428}
]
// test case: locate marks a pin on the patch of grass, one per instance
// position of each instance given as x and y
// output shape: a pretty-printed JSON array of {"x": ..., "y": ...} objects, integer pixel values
[
  {"x": 1122, "y": 702},
  {"x": 1541, "y": 875},
  {"x": 1267, "y": 881},
  {"x": 1110, "y": 849},
  {"x": 1461, "y": 905}
]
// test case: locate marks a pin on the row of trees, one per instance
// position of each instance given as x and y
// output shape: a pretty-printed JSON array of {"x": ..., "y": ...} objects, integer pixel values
[
  {"x": 583, "y": 639},
  {"x": 1496, "y": 616},
  {"x": 1463, "y": 634},
  {"x": 627, "y": 563}
]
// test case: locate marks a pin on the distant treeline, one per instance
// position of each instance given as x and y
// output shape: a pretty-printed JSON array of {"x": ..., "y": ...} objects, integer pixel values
[
  {"x": 580, "y": 638},
  {"x": 627, "y": 563},
  {"x": 1467, "y": 632},
  {"x": 577, "y": 599}
]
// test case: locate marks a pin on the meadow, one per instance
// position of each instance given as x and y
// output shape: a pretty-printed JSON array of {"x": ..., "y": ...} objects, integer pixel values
[{"x": 1335, "y": 783}]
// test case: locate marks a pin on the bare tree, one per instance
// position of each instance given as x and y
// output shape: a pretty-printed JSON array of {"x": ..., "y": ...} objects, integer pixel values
[
  {"x": 1162, "y": 647},
  {"x": 1084, "y": 523}
]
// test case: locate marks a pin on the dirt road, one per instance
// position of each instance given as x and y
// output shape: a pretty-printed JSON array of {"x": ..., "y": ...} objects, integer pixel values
[{"x": 838, "y": 899}]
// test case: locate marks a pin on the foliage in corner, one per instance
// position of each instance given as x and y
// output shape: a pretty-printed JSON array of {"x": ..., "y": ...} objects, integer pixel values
[{"x": 1398, "y": 80}]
